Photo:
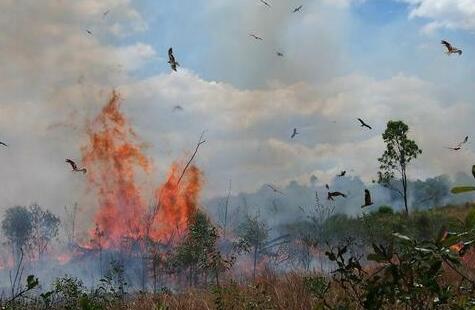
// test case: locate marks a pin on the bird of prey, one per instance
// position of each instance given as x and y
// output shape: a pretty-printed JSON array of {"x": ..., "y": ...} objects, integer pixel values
[
  {"x": 451, "y": 49},
  {"x": 342, "y": 174},
  {"x": 255, "y": 37},
  {"x": 297, "y": 9},
  {"x": 265, "y": 3},
  {"x": 294, "y": 133},
  {"x": 367, "y": 199},
  {"x": 280, "y": 54},
  {"x": 335, "y": 194},
  {"x": 363, "y": 124},
  {"x": 177, "y": 108},
  {"x": 3, "y": 143},
  {"x": 171, "y": 60},
  {"x": 75, "y": 167},
  {"x": 275, "y": 190}
]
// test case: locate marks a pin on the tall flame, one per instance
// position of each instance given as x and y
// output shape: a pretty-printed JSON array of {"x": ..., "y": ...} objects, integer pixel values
[{"x": 115, "y": 161}]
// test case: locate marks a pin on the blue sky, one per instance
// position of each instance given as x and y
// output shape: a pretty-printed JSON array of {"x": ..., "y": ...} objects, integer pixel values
[{"x": 343, "y": 59}]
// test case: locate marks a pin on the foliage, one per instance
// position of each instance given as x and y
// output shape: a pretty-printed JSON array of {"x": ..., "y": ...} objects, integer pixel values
[
  {"x": 45, "y": 227},
  {"x": 197, "y": 252},
  {"x": 407, "y": 272},
  {"x": 17, "y": 227},
  {"x": 400, "y": 151}
]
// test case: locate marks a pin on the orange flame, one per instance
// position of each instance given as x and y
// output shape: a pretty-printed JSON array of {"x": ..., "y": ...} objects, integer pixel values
[{"x": 115, "y": 161}]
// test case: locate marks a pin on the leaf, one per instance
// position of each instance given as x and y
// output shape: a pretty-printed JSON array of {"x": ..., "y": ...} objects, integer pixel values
[
  {"x": 31, "y": 282},
  {"x": 462, "y": 189},
  {"x": 402, "y": 237}
]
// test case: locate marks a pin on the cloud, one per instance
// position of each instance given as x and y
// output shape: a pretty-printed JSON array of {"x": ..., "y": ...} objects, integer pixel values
[
  {"x": 248, "y": 131},
  {"x": 450, "y": 14}
]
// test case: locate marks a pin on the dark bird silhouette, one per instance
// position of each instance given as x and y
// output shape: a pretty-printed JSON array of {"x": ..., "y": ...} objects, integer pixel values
[
  {"x": 335, "y": 194},
  {"x": 294, "y": 133},
  {"x": 89, "y": 32},
  {"x": 75, "y": 167},
  {"x": 275, "y": 190},
  {"x": 363, "y": 124},
  {"x": 451, "y": 49},
  {"x": 280, "y": 54},
  {"x": 177, "y": 108},
  {"x": 327, "y": 187},
  {"x": 255, "y": 37},
  {"x": 342, "y": 174},
  {"x": 171, "y": 60},
  {"x": 457, "y": 148},
  {"x": 105, "y": 13},
  {"x": 3, "y": 143},
  {"x": 465, "y": 140},
  {"x": 367, "y": 199},
  {"x": 265, "y": 3},
  {"x": 297, "y": 9}
]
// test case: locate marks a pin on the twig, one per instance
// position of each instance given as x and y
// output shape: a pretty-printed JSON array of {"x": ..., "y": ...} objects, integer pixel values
[{"x": 201, "y": 141}]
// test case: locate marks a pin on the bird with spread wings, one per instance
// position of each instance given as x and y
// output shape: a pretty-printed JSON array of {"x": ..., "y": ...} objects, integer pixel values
[
  {"x": 450, "y": 48},
  {"x": 74, "y": 166},
  {"x": 363, "y": 124}
]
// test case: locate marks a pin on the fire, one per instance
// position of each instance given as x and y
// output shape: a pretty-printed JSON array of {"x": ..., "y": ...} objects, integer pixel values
[{"x": 115, "y": 162}]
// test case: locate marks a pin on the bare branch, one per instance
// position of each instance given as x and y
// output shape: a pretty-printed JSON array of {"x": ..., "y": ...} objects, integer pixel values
[{"x": 201, "y": 141}]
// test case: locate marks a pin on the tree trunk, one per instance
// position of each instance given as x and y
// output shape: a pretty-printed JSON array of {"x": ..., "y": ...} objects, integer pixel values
[{"x": 404, "y": 187}]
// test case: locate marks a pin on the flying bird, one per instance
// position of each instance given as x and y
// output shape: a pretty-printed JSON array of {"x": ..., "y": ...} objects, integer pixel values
[
  {"x": 327, "y": 187},
  {"x": 335, "y": 194},
  {"x": 89, "y": 32},
  {"x": 255, "y": 37},
  {"x": 465, "y": 140},
  {"x": 294, "y": 133},
  {"x": 363, "y": 124},
  {"x": 280, "y": 54},
  {"x": 297, "y": 9},
  {"x": 451, "y": 49},
  {"x": 457, "y": 148},
  {"x": 75, "y": 167},
  {"x": 171, "y": 60},
  {"x": 3, "y": 143},
  {"x": 275, "y": 190},
  {"x": 265, "y": 3},
  {"x": 105, "y": 13},
  {"x": 367, "y": 199},
  {"x": 342, "y": 174},
  {"x": 177, "y": 108}
]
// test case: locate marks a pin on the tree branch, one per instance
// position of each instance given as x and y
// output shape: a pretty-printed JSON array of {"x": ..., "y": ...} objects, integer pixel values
[{"x": 201, "y": 141}]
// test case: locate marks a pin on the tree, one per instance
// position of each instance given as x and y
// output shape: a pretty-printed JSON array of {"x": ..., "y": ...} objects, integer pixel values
[
  {"x": 17, "y": 227},
  {"x": 400, "y": 151},
  {"x": 45, "y": 227},
  {"x": 253, "y": 235},
  {"x": 198, "y": 246}
]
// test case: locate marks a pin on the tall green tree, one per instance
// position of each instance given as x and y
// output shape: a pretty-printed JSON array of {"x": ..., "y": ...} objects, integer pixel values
[
  {"x": 253, "y": 235},
  {"x": 198, "y": 246},
  {"x": 400, "y": 151}
]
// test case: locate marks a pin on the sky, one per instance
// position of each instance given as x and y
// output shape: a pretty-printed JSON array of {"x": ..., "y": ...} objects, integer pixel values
[{"x": 379, "y": 60}]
